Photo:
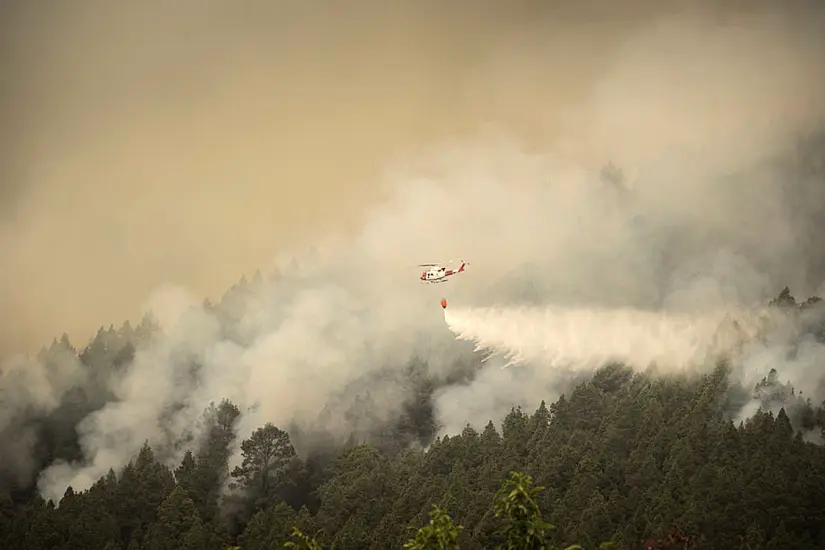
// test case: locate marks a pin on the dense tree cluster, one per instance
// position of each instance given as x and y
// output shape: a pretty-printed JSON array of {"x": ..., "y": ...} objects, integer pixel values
[{"x": 626, "y": 458}]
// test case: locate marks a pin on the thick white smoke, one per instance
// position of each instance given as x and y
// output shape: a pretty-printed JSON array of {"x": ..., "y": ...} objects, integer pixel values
[
  {"x": 32, "y": 387},
  {"x": 340, "y": 325},
  {"x": 305, "y": 349},
  {"x": 638, "y": 267}
]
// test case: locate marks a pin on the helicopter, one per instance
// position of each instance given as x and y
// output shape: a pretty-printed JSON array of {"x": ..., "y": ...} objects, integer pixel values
[{"x": 438, "y": 273}]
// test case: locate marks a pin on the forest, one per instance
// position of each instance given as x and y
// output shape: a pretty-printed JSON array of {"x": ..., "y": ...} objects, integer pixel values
[{"x": 625, "y": 460}]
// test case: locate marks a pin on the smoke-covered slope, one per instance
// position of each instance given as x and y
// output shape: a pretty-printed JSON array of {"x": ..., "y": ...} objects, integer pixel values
[{"x": 713, "y": 211}]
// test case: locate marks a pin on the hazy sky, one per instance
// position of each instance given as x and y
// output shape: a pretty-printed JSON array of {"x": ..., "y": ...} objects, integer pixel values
[{"x": 189, "y": 142}]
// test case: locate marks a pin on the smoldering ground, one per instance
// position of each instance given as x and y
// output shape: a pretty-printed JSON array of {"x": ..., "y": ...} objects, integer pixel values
[{"x": 717, "y": 205}]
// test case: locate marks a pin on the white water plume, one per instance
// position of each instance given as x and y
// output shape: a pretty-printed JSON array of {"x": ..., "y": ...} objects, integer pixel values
[{"x": 588, "y": 338}]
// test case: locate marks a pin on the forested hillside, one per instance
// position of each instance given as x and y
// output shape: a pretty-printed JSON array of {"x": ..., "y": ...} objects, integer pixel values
[
  {"x": 628, "y": 186},
  {"x": 637, "y": 460}
]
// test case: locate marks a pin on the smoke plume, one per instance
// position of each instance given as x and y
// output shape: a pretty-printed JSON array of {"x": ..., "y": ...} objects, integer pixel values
[{"x": 641, "y": 179}]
